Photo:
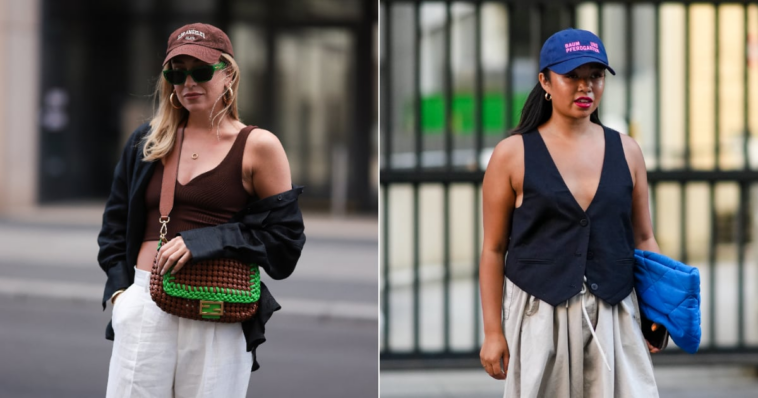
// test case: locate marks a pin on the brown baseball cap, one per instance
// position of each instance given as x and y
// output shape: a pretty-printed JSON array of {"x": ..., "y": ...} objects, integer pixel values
[{"x": 202, "y": 41}]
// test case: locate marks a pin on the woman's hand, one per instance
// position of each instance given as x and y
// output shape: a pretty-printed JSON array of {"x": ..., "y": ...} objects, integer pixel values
[
  {"x": 173, "y": 256},
  {"x": 653, "y": 350},
  {"x": 494, "y": 350},
  {"x": 115, "y": 296}
]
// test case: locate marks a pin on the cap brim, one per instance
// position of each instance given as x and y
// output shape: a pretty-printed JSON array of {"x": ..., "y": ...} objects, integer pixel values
[
  {"x": 567, "y": 66},
  {"x": 205, "y": 54}
]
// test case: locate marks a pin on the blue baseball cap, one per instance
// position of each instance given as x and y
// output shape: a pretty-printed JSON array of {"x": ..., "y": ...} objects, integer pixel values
[{"x": 570, "y": 49}]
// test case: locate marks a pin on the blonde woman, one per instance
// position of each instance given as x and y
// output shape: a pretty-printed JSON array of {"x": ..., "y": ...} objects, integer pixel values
[{"x": 225, "y": 168}]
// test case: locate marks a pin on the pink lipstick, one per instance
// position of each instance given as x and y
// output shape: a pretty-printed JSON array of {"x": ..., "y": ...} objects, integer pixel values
[{"x": 583, "y": 102}]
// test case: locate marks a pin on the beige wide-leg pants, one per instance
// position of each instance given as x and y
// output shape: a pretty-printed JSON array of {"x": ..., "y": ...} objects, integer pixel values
[
  {"x": 553, "y": 352},
  {"x": 156, "y": 354}
]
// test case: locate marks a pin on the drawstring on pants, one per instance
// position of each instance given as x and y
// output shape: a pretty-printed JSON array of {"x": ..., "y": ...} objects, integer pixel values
[{"x": 589, "y": 323}]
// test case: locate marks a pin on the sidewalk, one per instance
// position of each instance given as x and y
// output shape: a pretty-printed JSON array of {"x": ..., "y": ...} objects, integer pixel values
[
  {"x": 51, "y": 252},
  {"x": 673, "y": 382},
  {"x": 90, "y": 214}
]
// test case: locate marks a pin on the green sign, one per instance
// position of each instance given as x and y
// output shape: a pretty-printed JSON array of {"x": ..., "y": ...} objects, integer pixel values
[{"x": 463, "y": 117}]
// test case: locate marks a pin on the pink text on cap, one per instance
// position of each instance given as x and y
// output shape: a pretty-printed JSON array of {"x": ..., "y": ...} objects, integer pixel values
[{"x": 576, "y": 46}]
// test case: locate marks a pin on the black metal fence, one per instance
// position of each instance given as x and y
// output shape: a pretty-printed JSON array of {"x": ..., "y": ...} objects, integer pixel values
[{"x": 453, "y": 81}]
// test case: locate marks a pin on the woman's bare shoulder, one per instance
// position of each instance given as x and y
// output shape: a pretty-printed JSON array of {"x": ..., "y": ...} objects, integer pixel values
[
  {"x": 263, "y": 142},
  {"x": 630, "y": 144},
  {"x": 632, "y": 150},
  {"x": 509, "y": 151},
  {"x": 506, "y": 165}
]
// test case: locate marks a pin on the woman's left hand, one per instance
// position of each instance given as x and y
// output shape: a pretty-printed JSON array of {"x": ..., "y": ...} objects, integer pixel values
[
  {"x": 653, "y": 350},
  {"x": 173, "y": 256}
]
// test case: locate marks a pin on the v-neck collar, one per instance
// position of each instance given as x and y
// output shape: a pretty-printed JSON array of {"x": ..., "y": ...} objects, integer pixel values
[
  {"x": 560, "y": 176},
  {"x": 203, "y": 174},
  {"x": 228, "y": 153}
]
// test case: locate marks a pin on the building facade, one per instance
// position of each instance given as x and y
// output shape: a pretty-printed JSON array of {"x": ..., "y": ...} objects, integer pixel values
[{"x": 78, "y": 77}]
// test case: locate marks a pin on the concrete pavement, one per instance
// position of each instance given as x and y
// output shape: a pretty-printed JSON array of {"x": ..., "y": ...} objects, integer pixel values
[
  {"x": 56, "y": 348},
  {"x": 673, "y": 382},
  {"x": 52, "y": 252},
  {"x": 89, "y": 214},
  {"x": 52, "y": 326}
]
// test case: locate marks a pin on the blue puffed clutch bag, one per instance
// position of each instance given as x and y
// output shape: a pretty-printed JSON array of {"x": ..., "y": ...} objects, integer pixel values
[{"x": 669, "y": 295}]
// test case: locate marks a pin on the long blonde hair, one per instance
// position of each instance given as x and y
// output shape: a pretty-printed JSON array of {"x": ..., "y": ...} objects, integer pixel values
[{"x": 166, "y": 119}]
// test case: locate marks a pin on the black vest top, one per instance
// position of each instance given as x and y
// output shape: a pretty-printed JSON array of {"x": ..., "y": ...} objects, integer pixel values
[{"x": 554, "y": 244}]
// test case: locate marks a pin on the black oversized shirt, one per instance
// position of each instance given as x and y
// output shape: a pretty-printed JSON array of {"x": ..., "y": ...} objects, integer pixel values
[{"x": 268, "y": 232}]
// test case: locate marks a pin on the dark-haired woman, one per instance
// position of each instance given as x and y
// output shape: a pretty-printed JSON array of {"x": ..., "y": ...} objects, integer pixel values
[{"x": 567, "y": 200}]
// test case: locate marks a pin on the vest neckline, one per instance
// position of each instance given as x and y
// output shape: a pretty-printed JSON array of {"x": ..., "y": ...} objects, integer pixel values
[{"x": 560, "y": 176}]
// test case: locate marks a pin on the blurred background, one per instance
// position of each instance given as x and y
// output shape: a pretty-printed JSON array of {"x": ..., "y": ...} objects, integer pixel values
[
  {"x": 454, "y": 77},
  {"x": 76, "y": 78}
]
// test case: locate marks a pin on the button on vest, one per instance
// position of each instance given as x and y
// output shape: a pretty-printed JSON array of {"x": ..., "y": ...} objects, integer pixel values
[{"x": 554, "y": 244}]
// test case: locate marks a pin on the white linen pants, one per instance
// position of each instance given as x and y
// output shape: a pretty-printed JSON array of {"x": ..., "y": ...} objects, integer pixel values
[{"x": 156, "y": 354}]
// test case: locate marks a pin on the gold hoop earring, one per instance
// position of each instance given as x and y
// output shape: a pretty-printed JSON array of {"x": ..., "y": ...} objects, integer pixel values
[
  {"x": 548, "y": 97},
  {"x": 171, "y": 101}
]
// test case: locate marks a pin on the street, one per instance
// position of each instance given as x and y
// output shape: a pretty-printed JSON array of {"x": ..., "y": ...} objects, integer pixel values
[{"x": 323, "y": 343}]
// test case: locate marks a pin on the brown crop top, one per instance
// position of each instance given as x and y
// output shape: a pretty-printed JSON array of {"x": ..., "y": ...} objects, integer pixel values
[{"x": 209, "y": 199}]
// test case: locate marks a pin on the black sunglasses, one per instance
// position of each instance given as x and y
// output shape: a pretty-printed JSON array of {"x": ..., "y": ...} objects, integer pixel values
[{"x": 201, "y": 74}]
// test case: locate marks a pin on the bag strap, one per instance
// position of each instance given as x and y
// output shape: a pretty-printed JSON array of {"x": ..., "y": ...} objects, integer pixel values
[{"x": 168, "y": 186}]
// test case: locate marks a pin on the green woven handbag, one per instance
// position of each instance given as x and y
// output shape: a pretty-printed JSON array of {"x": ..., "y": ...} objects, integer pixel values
[{"x": 221, "y": 290}]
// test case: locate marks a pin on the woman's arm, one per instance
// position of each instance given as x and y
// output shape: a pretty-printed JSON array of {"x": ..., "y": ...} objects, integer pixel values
[
  {"x": 112, "y": 236},
  {"x": 269, "y": 168},
  {"x": 498, "y": 201},
  {"x": 269, "y": 234},
  {"x": 641, "y": 221}
]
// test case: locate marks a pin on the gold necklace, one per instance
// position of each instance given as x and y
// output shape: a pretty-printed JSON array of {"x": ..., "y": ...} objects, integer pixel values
[{"x": 195, "y": 155}]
